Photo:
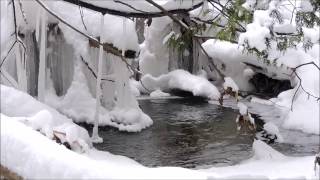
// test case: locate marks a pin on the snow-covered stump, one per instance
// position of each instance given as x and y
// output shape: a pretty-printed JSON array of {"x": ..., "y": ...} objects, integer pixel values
[{"x": 245, "y": 122}]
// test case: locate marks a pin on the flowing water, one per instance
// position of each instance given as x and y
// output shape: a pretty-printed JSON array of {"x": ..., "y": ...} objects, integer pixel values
[{"x": 192, "y": 133}]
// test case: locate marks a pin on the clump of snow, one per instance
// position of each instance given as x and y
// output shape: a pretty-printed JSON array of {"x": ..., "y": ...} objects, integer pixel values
[
  {"x": 134, "y": 87},
  {"x": 306, "y": 6},
  {"x": 130, "y": 119},
  {"x": 248, "y": 72},
  {"x": 272, "y": 129},
  {"x": 154, "y": 55},
  {"x": 41, "y": 121},
  {"x": 261, "y": 101},
  {"x": 228, "y": 82},
  {"x": 183, "y": 80},
  {"x": 76, "y": 136},
  {"x": 19, "y": 104},
  {"x": 262, "y": 151},
  {"x": 243, "y": 109},
  {"x": 159, "y": 93},
  {"x": 255, "y": 36}
]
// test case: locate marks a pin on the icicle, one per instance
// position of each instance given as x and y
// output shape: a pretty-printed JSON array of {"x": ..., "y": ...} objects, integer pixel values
[
  {"x": 38, "y": 19},
  {"x": 95, "y": 134},
  {"x": 124, "y": 36},
  {"x": 42, "y": 63},
  {"x": 20, "y": 70}
]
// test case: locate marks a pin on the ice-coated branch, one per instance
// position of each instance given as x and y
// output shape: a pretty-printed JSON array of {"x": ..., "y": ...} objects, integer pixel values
[
  {"x": 21, "y": 77},
  {"x": 139, "y": 14},
  {"x": 294, "y": 71}
]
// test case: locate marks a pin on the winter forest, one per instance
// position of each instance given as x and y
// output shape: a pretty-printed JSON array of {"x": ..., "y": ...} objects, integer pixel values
[{"x": 160, "y": 89}]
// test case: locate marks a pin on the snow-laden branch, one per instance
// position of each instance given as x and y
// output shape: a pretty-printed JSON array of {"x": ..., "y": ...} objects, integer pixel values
[
  {"x": 126, "y": 13},
  {"x": 106, "y": 46}
]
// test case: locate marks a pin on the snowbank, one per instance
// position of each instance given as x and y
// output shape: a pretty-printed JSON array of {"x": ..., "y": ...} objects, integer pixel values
[
  {"x": 267, "y": 163},
  {"x": 18, "y": 104},
  {"x": 22, "y": 148},
  {"x": 183, "y": 80}
]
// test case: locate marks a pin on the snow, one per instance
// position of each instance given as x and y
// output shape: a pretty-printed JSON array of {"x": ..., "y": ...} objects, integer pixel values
[
  {"x": 228, "y": 82},
  {"x": 232, "y": 56},
  {"x": 22, "y": 148},
  {"x": 267, "y": 163},
  {"x": 79, "y": 104},
  {"x": 154, "y": 55},
  {"x": 28, "y": 106},
  {"x": 243, "y": 109},
  {"x": 255, "y": 36},
  {"x": 271, "y": 128},
  {"x": 158, "y": 93},
  {"x": 183, "y": 80},
  {"x": 261, "y": 101}
]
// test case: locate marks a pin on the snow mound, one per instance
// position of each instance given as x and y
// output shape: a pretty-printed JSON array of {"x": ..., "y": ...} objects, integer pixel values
[
  {"x": 131, "y": 120},
  {"x": 17, "y": 103},
  {"x": 271, "y": 128},
  {"x": 183, "y": 80},
  {"x": 228, "y": 82},
  {"x": 159, "y": 93},
  {"x": 243, "y": 109},
  {"x": 79, "y": 104},
  {"x": 262, "y": 151},
  {"x": 42, "y": 121}
]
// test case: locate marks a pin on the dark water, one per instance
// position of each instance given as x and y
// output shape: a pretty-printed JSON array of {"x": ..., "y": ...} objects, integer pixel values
[{"x": 187, "y": 133}]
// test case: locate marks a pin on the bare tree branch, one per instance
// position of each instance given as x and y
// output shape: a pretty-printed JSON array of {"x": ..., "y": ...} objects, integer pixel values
[
  {"x": 294, "y": 71},
  {"x": 92, "y": 71}
]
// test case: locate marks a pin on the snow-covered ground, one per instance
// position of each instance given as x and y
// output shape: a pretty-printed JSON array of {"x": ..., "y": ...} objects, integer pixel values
[{"x": 23, "y": 147}]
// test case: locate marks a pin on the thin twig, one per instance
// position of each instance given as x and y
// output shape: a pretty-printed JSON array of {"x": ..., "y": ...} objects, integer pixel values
[{"x": 294, "y": 71}]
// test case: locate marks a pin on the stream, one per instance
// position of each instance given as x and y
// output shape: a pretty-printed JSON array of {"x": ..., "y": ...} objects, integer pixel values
[{"x": 191, "y": 133}]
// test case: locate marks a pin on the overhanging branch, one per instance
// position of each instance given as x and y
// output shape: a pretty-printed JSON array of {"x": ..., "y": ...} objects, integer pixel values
[
  {"x": 105, "y": 10},
  {"x": 106, "y": 46}
]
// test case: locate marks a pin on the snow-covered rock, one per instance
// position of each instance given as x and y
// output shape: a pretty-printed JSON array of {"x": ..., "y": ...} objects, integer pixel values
[
  {"x": 183, "y": 80},
  {"x": 159, "y": 93}
]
